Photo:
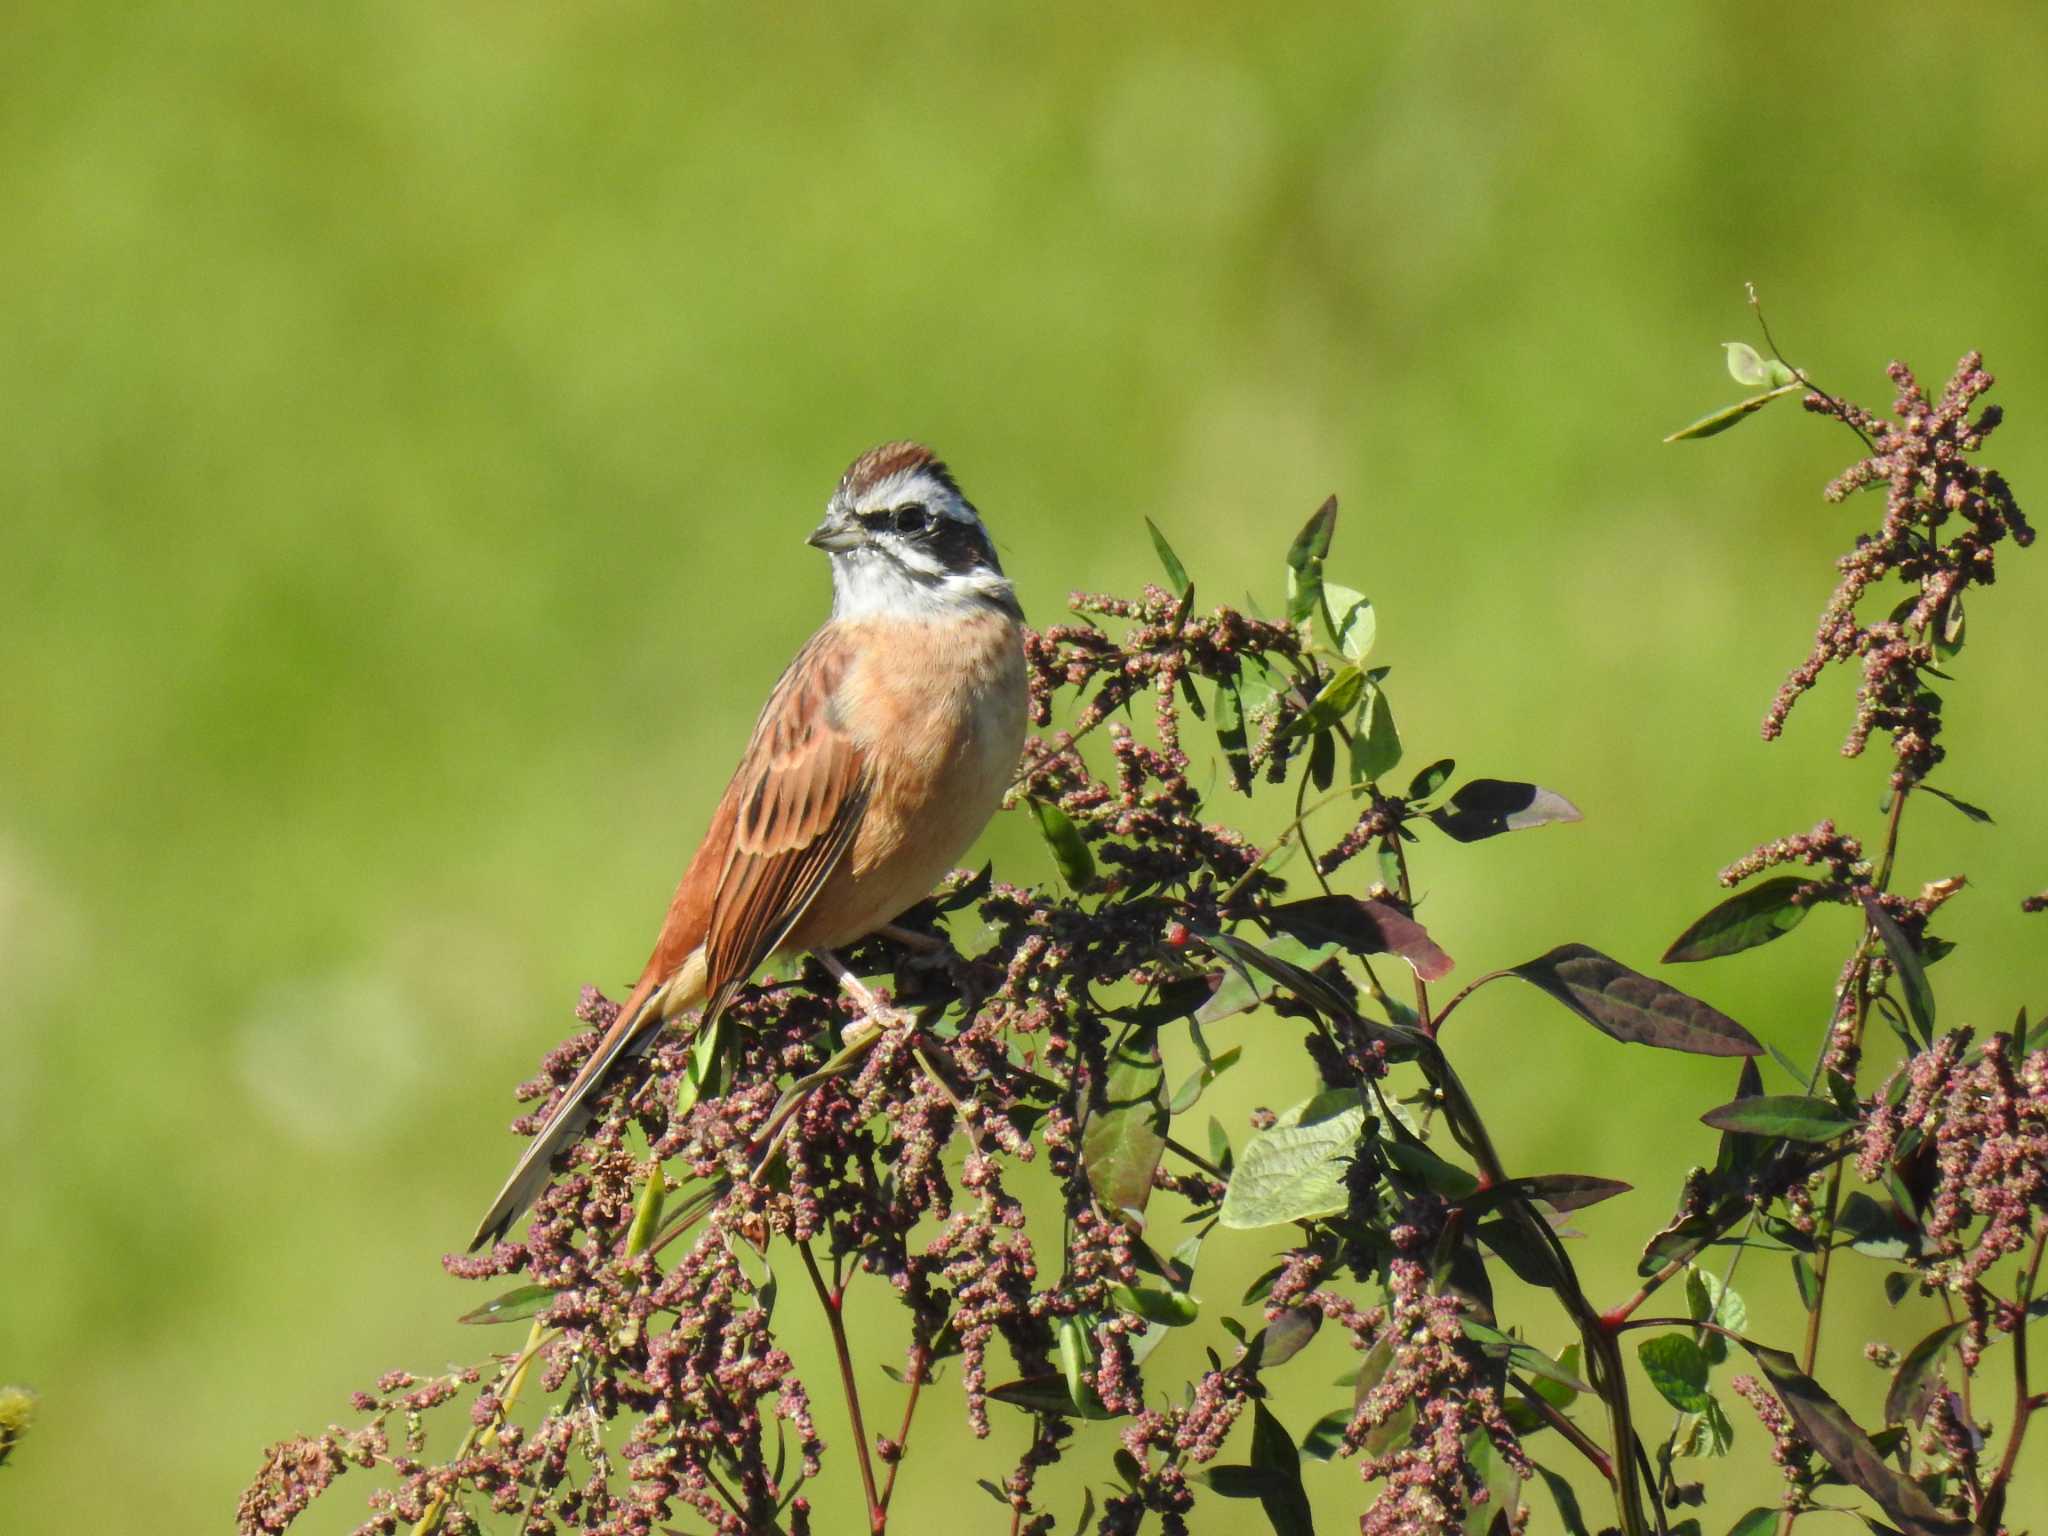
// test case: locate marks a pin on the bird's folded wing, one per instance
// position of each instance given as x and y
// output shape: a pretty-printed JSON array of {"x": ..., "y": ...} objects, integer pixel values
[{"x": 795, "y": 803}]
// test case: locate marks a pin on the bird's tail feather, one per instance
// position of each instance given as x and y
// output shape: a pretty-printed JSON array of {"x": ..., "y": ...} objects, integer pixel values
[{"x": 639, "y": 1022}]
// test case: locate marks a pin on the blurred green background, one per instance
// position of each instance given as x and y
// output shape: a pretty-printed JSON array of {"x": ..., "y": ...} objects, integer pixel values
[{"x": 410, "y": 415}]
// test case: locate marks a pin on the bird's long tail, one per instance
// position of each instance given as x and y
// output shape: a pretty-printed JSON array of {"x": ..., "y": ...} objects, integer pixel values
[{"x": 655, "y": 1001}]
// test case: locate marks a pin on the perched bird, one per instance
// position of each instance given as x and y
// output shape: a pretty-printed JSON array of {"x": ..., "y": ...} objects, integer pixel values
[{"x": 877, "y": 759}]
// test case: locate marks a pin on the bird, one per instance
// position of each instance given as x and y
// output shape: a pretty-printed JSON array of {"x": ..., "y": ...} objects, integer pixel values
[{"x": 880, "y": 755}]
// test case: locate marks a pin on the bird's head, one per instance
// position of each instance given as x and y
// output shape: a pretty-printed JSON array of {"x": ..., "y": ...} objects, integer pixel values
[{"x": 904, "y": 541}]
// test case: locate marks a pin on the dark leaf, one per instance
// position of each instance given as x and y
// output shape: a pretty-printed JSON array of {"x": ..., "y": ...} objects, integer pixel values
[
  {"x": 1790, "y": 1116},
  {"x": 1322, "y": 760},
  {"x": 1304, "y": 984},
  {"x": 1526, "y": 1358},
  {"x": 1906, "y": 962},
  {"x": 1176, "y": 573},
  {"x": 1560, "y": 1191},
  {"x": 1568, "y": 1511},
  {"x": 1126, "y": 1129},
  {"x": 1527, "y": 1255},
  {"x": 1729, "y": 415},
  {"x": 1363, "y": 928},
  {"x": 1305, "y": 562},
  {"x": 1484, "y": 808},
  {"x": 1273, "y": 1454},
  {"x": 1288, "y": 1334},
  {"x": 1069, "y": 848},
  {"x": 1746, "y": 919},
  {"x": 1431, "y": 779},
  {"x": 1244, "y": 986},
  {"x": 1325, "y": 1438},
  {"x": 1630, "y": 1006},
  {"x": 1975, "y": 812},
  {"x": 1806, "y": 1282},
  {"x": 514, "y": 1306},
  {"x": 1896, "y": 1284},
  {"x": 1048, "y": 1394},
  {"x": 1847, "y": 1449},
  {"x": 1422, "y": 1166},
  {"x": 1230, "y": 734},
  {"x": 1234, "y": 1480},
  {"x": 1918, "y": 1376},
  {"x": 1876, "y": 1228}
]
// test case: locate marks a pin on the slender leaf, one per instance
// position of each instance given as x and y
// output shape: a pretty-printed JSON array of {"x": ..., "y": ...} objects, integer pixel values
[
  {"x": 1729, "y": 415},
  {"x": 1288, "y": 1335},
  {"x": 1847, "y": 1449},
  {"x": 1746, "y": 919},
  {"x": 1757, "y": 1522},
  {"x": 646, "y": 1213},
  {"x": 1069, "y": 849},
  {"x": 1363, "y": 928},
  {"x": 1230, "y": 734},
  {"x": 1568, "y": 1511},
  {"x": 1305, "y": 558},
  {"x": 1482, "y": 808},
  {"x": 1559, "y": 1191},
  {"x": 1906, "y": 962},
  {"x": 1284, "y": 1500},
  {"x": 1304, "y": 984},
  {"x": 1246, "y": 986},
  {"x": 1073, "y": 1339},
  {"x": 1789, "y": 1116},
  {"x": 1126, "y": 1129},
  {"x": 1375, "y": 744},
  {"x": 1429, "y": 780},
  {"x": 1976, "y": 813},
  {"x": 1189, "y": 1092},
  {"x": 1325, "y": 1438},
  {"x": 1156, "y": 1304},
  {"x": 1633, "y": 1007},
  {"x": 1176, "y": 573},
  {"x": 1048, "y": 1394},
  {"x": 513, "y": 1306}
]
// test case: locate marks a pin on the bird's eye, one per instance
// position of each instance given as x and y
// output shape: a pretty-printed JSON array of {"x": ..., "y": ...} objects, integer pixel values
[{"x": 911, "y": 517}]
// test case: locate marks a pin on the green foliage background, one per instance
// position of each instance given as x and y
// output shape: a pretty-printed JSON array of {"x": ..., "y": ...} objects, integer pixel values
[{"x": 410, "y": 414}]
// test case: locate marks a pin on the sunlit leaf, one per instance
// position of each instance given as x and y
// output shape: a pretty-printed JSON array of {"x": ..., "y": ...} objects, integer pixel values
[
  {"x": 1048, "y": 1394},
  {"x": 1758, "y": 1522},
  {"x": 1375, "y": 744},
  {"x": 1677, "y": 1369},
  {"x": 1788, "y": 1116},
  {"x": 1176, "y": 573},
  {"x": 1189, "y": 1092},
  {"x": 1633, "y": 1007},
  {"x": 1730, "y": 415},
  {"x": 1482, "y": 808},
  {"x": 646, "y": 1213},
  {"x": 1244, "y": 987},
  {"x": 1325, "y": 1438},
  {"x": 1305, "y": 562},
  {"x": 1918, "y": 1377},
  {"x": 1295, "y": 1171},
  {"x": 1748, "y": 918},
  {"x": 1126, "y": 1128},
  {"x": 1069, "y": 849},
  {"x": 1432, "y": 778},
  {"x": 514, "y": 1306}
]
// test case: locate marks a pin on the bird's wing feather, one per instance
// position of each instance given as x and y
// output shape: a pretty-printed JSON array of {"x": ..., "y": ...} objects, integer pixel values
[
  {"x": 793, "y": 810},
  {"x": 785, "y": 823}
]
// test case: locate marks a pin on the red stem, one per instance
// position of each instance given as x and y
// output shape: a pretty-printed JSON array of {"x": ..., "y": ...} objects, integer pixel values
[{"x": 834, "y": 1302}]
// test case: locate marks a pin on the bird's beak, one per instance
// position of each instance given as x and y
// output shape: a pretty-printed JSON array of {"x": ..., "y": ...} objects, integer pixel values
[{"x": 839, "y": 531}]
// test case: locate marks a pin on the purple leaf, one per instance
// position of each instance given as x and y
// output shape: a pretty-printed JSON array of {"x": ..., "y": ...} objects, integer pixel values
[{"x": 1630, "y": 1006}]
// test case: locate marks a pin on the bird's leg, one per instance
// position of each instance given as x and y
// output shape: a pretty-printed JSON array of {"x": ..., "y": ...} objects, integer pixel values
[{"x": 878, "y": 1016}]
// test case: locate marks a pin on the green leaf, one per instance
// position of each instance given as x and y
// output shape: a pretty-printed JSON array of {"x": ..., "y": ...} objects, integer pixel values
[
  {"x": 1677, "y": 1369},
  {"x": 1431, "y": 779},
  {"x": 1730, "y": 415},
  {"x": 1433, "y": 1173},
  {"x": 1568, "y": 1511},
  {"x": 1155, "y": 1304},
  {"x": 1746, "y": 366},
  {"x": 1875, "y": 1228},
  {"x": 1375, "y": 744},
  {"x": 1348, "y": 619},
  {"x": 1846, "y": 1448},
  {"x": 1758, "y": 1522},
  {"x": 1294, "y": 1170},
  {"x": 1520, "y": 1356},
  {"x": 512, "y": 1307},
  {"x": 1703, "y": 1434},
  {"x": 700, "y": 1071},
  {"x": 1333, "y": 701},
  {"x": 1069, "y": 848},
  {"x": 1710, "y": 1299},
  {"x": 1789, "y": 1116},
  {"x": 1633, "y": 1007},
  {"x": 1304, "y": 984},
  {"x": 646, "y": 1213},
  {"x": 1288, "y": 1335},
  {"x": 1305, "y": 558},
  {"x": 1176, "y": 573},
  {"x": 1914, "y": 1383},
  {"x": 1484, "y": 808},
  {"x": 1746, "y": 919},
  {"x": 1805, "y": 1282},
  {"x": 1560, "y": 1191},
  {"x": 1126, "y": 1128},
  {"x": 1906, "y": 962},
  {"x": 1273, "y": 1454},
  {"x": 1199, "y": 1080},
  {"x": 1246, "y": 986}
]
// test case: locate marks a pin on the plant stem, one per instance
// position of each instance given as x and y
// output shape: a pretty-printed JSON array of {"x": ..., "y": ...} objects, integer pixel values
[
  {"x": 514, "y": 1377},
  {"x": 2023, "y": 1401},
  {"x": 834, "y": 1302},
  {"x": 920, "y": 1363}
]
